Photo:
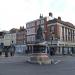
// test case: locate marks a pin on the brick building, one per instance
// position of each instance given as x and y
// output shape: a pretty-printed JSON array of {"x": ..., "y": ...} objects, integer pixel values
[
  {"x": 60, "y": 35},
  {"x": 32, "y": 28},
  {"x": 20, "y": 35},
  {"x": 20, "y": 45}
]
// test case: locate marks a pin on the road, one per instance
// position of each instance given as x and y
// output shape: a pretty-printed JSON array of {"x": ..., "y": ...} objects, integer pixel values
[{"x": 17, "y": 66}]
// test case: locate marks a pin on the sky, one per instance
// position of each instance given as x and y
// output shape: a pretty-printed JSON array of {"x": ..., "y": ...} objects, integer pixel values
[{"x": 16, "y": 13}]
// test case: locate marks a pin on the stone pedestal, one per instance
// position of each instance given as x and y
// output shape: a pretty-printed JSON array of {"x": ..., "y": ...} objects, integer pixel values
[
  {"x": 40, "y": 58},
  {"x": 39, "y": 55}
]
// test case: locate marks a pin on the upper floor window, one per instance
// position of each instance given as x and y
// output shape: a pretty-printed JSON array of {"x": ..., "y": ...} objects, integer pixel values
[
  {"x": 52, "y": 28},
  {"x": 42, "y": 21},
  {"x": 65, "y": 31},
  {"x": 38, "y": 22},
  {"x": 32, "y": 24},
  {"x": 69, "y": 32},
  {"x": 27, "y": 25},
  {"x": 42, "y": 26}
]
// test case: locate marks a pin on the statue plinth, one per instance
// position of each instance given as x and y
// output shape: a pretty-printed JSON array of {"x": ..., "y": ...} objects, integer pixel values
[
  {"x": 39, "y": 55},
  {"x": 39, "y": 51},
  {"x": 40, "y": 58}
]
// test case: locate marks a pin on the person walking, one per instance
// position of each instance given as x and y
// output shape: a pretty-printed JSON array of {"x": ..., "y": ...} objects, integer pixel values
[
  {"x": 51, "y": 51},
  {"x": 6, "y": 52},
  {"x": 12, "y": 50}
]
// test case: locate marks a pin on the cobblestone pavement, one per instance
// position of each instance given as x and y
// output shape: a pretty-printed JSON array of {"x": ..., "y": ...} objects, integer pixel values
[{"x": 16, "y": 65}]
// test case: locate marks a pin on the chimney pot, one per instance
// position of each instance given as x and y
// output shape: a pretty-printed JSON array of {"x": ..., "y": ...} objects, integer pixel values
[{"x": 59, "y": 19}]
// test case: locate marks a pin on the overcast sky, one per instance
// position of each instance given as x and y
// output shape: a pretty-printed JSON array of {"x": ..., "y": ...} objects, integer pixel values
[{"x": 15, "y": 13}]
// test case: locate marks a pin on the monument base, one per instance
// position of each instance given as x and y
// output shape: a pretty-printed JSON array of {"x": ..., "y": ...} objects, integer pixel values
[{"x": 40, "y": 58}]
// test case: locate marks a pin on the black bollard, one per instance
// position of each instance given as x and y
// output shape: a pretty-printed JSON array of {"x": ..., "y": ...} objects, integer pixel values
[
  {"x": 11, "y": 54},
  {"x": 0, "y": 53}
]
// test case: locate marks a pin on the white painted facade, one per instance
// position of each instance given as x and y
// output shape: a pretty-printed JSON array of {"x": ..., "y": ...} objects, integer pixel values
[
  {"x": 31, "y": 31},
  {"x": 30, "y": 38},
  {"x": 8, "y": 38}
]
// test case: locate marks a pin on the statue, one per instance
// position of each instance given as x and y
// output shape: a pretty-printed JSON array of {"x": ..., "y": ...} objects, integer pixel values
[
  {"x": 39, "y": 35},
  {"x": 39, "y": 51}
]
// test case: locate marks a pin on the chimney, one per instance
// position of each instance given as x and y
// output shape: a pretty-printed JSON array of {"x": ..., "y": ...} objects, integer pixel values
[
  {"x": 59, "y": 18},
  {"x": 50, "y": 14}
]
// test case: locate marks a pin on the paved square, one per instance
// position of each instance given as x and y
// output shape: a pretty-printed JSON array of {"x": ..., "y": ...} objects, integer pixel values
[{"x": 17, "y": 66}]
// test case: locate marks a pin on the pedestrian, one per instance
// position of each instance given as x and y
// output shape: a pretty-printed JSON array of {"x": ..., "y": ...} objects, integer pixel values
[
  {"x": 70, "y": 52},
  {"x": 6, "y": 52},
  {"x": 51, "y": 51},
  {"x": 12, "y": 50}
]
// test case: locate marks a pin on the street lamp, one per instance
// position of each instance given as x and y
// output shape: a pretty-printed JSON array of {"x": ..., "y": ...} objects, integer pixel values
[
  {"x": 51, "y": 49},
  {"x": 51, "y": 38}
]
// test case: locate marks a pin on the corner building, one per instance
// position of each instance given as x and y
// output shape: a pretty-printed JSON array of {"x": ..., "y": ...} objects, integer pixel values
[
  {"x": 60, "y": 35},
  {"x": 63, "y": 36}
]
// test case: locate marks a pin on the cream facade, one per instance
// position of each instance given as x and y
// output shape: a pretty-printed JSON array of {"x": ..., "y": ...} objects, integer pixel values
[{"x": 9, "y": 39}]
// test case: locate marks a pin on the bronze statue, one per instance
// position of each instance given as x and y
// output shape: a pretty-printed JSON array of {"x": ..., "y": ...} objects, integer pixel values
[{"x": 39, "y": 35}]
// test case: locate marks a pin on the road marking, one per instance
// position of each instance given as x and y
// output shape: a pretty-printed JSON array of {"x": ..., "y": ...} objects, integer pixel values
[{"x": 58, "y": 61}]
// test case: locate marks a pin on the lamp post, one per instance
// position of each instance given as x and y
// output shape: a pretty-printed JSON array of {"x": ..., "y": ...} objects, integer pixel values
[
  {"x": 51, "y": 50},
  {"x": 51, "y": 40}
]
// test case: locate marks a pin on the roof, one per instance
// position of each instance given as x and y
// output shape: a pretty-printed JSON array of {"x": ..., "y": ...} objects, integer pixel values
[
  {"x": 35, "y": 20},
  {"x": 62, "y": 22}
]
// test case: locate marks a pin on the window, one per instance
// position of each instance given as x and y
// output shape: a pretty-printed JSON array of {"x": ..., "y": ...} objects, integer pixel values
[
  {"x": 27, "y": 25},
  {"x": 38, "y": 22},
  {"x": 33, "y": 24},
  {"x": 63, "y": 33},
  {"x": 51, "y": 28},
  {"x": 66, "y": 33},
  {"x": 42, "y": 26},
  {"x": 73, "y": 35},
  {"x": 42, "y": 21}
]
